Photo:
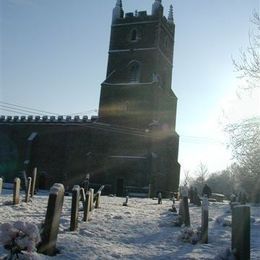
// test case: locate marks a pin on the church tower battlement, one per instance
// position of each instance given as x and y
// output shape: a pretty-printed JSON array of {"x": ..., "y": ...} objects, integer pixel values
[{"x": 137, "y": 89}]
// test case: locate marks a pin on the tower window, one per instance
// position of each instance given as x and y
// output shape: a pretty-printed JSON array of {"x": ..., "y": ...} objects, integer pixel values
[
  {"x": 134, "y": 35},
  {"x": 134, "y": 72}
]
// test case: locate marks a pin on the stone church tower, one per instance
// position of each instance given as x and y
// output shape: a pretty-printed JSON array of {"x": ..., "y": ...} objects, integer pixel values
[
  {"x": 137, "y": 96},
  {"x": 137, "y": 90}
]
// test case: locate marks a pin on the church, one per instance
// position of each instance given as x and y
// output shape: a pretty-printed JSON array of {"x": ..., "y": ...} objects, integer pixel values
[{"x": 132, "y": 143}]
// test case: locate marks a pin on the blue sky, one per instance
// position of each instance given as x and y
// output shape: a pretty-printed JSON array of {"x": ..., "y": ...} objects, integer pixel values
[{"x": 54, "y": 57}]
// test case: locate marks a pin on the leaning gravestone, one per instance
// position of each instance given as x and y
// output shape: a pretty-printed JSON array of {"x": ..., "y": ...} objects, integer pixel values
[
  {"x": 74, "y": 208},
  {"x": 28, "y": 191},
  {"x": 87, "y": 206},
  {"x": 82, "y": 196},
  {"x": 1, "y": 185},
  {"x": 16, "y": 191},
  {"x": 33, "y": 181},
  {"x": 52, "y": 220},
  {"x": 91, "y": 199},
  {"x": 98, "y": 195}
]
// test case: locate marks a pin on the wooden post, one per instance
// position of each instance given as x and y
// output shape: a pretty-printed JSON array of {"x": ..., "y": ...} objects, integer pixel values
[
  {"x": 74, "y": 208},
  {"x": 52, "y": 220},
  {"x": 28, "y": 191},
  {"x": 16, "y": 191},
  {"x": 241, "y": 232},
  {"x": 1, "y": 185},
  {"x": 204, "y": 220},
  {"x": 98, "y": 200},
  {"x": 33, "y": 181},
  {"x": 91, "y": 199},
  {"x": 87, "y": 206},
  {"x": 186, "y": 213}
]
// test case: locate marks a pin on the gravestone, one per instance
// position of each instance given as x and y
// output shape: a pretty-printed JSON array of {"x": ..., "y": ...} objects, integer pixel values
[
  {"x": 74, "y": 208},
  {"x": 1, "y": 185},
  {"x": 204, "y": 220},
  {"x": 91, "y": 199},
  {"x": 28, "y": 191},
  {"x": 159, "y": 198},
  {"x": 52, "y": 220},
  {"x": 82, "y": 196},
  {"x": 186, "y": 213},
  {"x": 241, "y": 232},
  {"x": 98, "y": 195},
  {"x": 34, "y": 177},
  {"x": 16, "y": 191},
  {"x": 24, "y": 181},
  {"x": 87, "y": 207},
  {"x": 126, "y": 201}
]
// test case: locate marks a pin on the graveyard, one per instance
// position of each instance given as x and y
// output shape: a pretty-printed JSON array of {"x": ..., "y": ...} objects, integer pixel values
[{"x": 141, "y": 229}]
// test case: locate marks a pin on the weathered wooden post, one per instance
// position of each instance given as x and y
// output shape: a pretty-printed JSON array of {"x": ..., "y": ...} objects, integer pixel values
[
  {"x": 74, "y": 208},
  {"x": 98, "y": 195},
  {"x": 34, "y": 177},
  {"x": 52, "y": 220},
  {"x": 91, "y": 199},
  {"x": 16, "y": 191},
  {"x": 204, "y": 220},
  {"x": 186, "y": 213},
  {"x": 241, "y": 232},
  {"x": 28, "y": 191},
  {"x": 86, "y": 206},
  {"x": 1, "y": 185}
]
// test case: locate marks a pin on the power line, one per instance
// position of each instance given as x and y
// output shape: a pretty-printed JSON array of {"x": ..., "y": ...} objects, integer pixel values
[
  {"x": 29, "y": 108},
  {"x": 12, "y": 111},
  {"x": 18, "y": 110}
]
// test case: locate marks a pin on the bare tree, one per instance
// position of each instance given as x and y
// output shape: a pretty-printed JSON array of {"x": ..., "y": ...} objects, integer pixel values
[
  {"x": 245, "y": 146},
  {"x": 201, "y": 177},
  {"x": 248, "y": 65}
]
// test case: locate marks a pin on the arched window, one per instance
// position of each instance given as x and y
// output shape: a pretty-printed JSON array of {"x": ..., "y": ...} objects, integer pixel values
[{"x": 134, "y": 72}]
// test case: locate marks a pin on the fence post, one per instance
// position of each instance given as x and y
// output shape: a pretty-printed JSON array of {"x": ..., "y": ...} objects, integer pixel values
[
  {"x": 29, "y": 184},
  {"x": 241, "y": 232},
  {"x": 52, "y": 220},
  {"x": 16, "y": 191},
  {"x": 204, "y": 220},
  {"x": 74, "y": 208}
]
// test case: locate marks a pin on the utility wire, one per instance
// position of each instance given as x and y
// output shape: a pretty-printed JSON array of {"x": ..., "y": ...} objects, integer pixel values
[
  {"x": 9, "y": 110},
  {"x": 30, "y": 109},
  {"x": 18, "y": 110}
]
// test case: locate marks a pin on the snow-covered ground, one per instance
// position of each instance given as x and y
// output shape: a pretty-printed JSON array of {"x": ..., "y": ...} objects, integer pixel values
[{"x": 142, "y": 230}]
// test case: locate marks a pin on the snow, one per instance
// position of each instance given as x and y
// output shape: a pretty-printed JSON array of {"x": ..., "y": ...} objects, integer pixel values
[
  {"x": 141, "y": 230},
  {"x": 56, "y": 188}
]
